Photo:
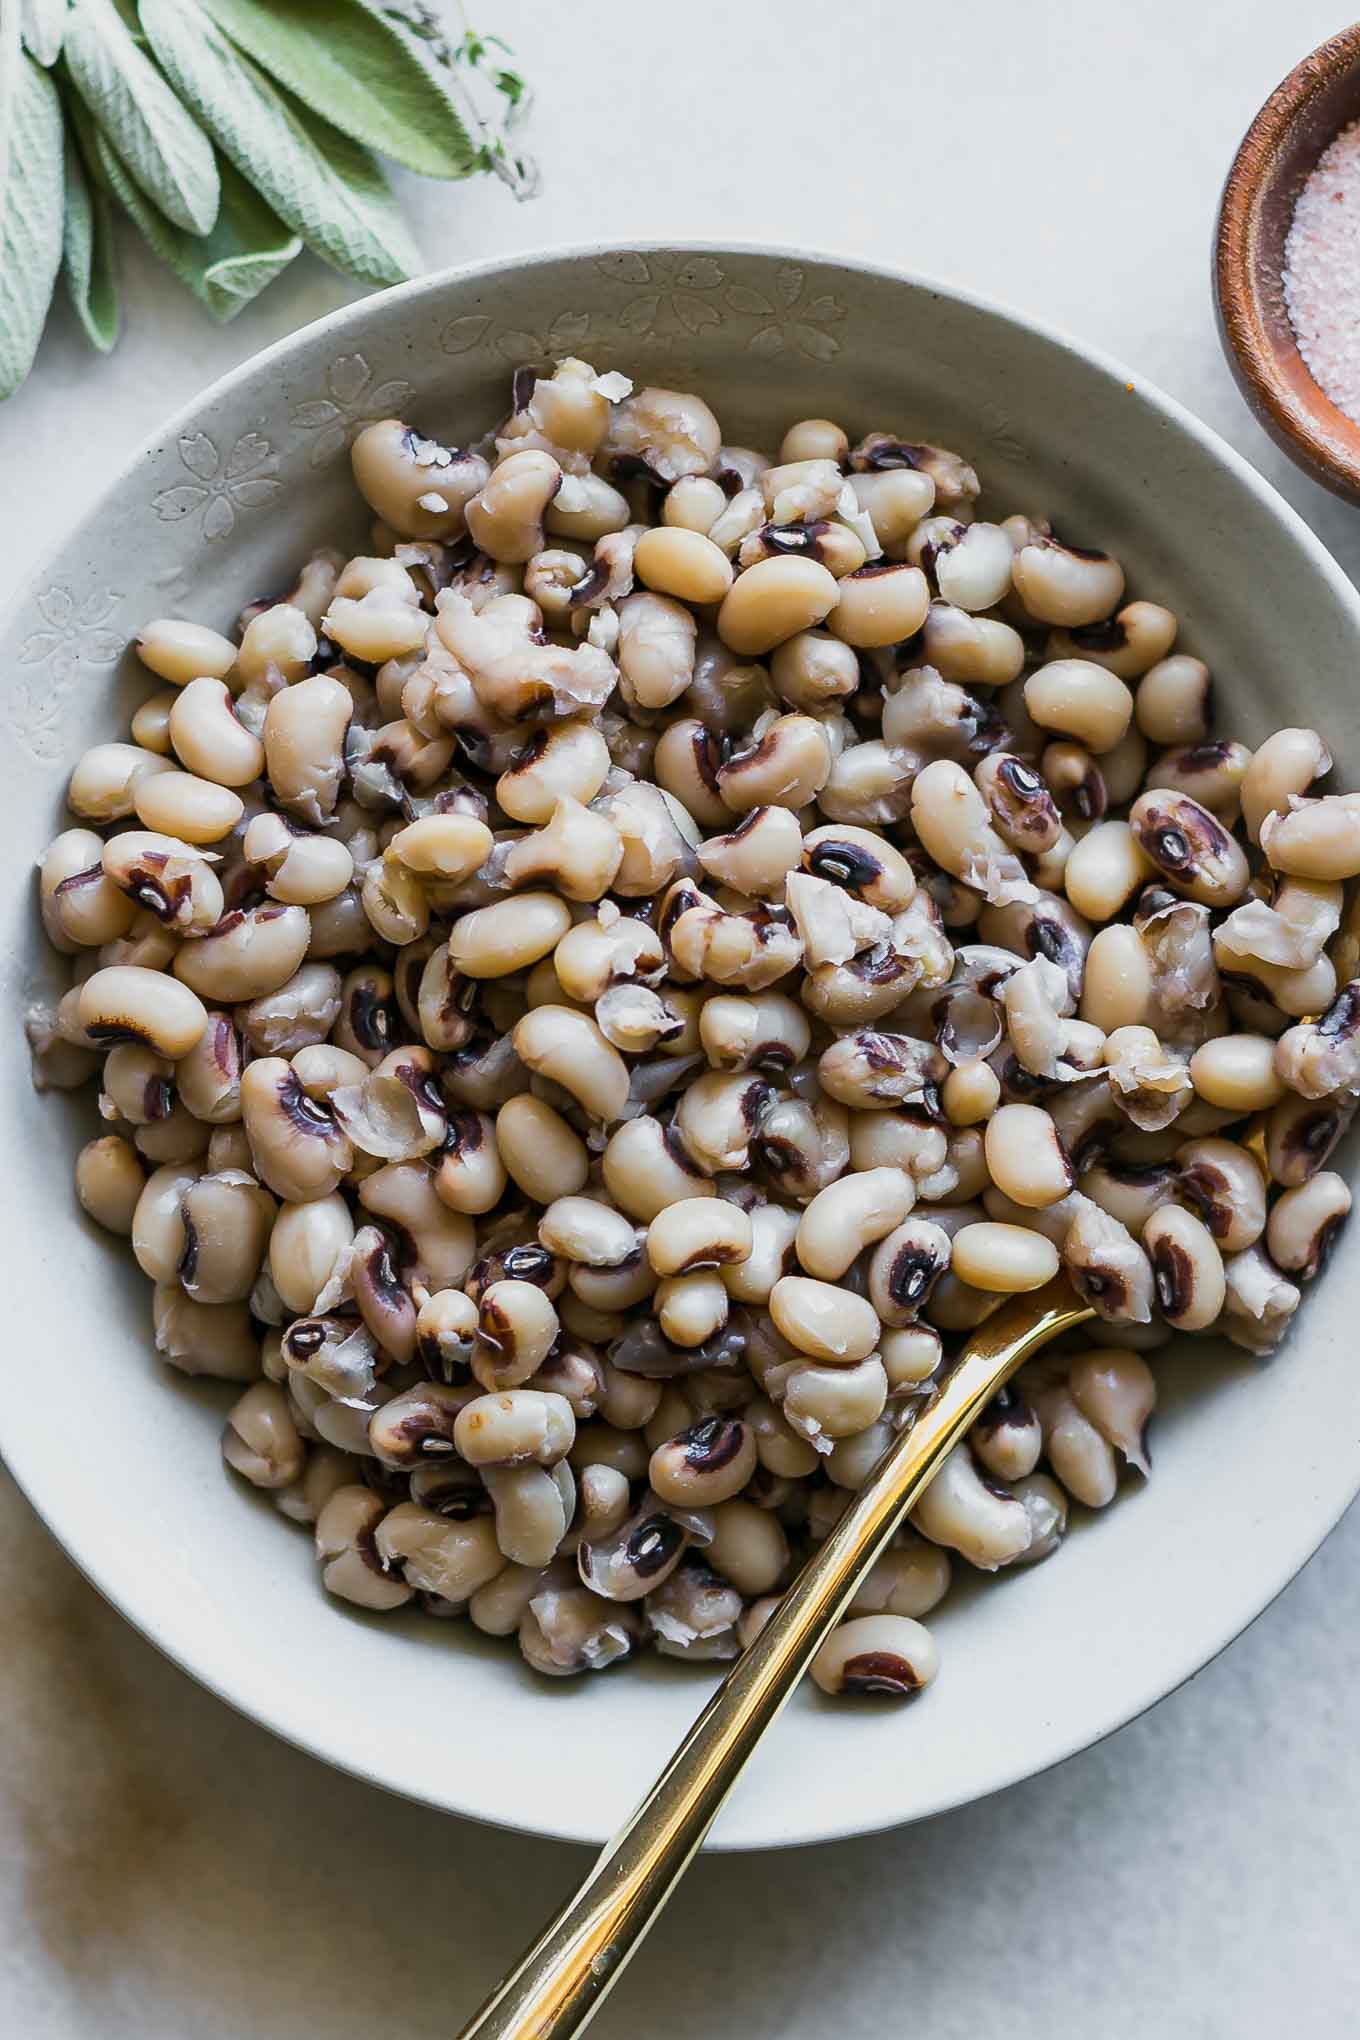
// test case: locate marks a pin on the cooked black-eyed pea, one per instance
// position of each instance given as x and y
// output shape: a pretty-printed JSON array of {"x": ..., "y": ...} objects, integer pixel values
[
  {"x": 1025, "y": 1157},
  {"x": 226, "y": 1220},
  {"x": 352, "y": 1567},
  {"x": 868, "y": 1069},
  {"x": 305, "y": 1246},
  {"x": 1077, "y": 783},
  {"x": 1117, "y": 990},
  {"x": 138, "y": 1086},
  {"x": 179, "y": 1137},
  {"x": 178, "y": 651},
  {"x": 646, "y": 1167},
  {"x": 588, "y": 1231},
  {"x": 578, "y": 851},
  {"x": 772, "y": 600},
  {"x": 1316, "y": 839},
  {"x": 880, "y": 604},
  {"x": 1003, "y": 1259},
  {"x": 971, "y": 1094},
  {"x": 879, "y": 1654},
  {"x": 1211, "y": 773},
  {"x": 469, "y": 1174},
  {"x": 662, "y": 434},
  {"x": 1019, "y": 802},
  {"x": 543, "y": 1155},
  {"x": 683, "y": 563},
  {"x": 1223, "y": 1183},
  {"x": 278, "y": 641},
  {"x": 779, "y": 1449},
  {"x": 210, "y": 740},
  {"x": 1281, "y": 770},
  {"x": 514, "y": 1427},
  {"x": 974, "y": 651},
  {"x": 692, "y": 1308},
  {"x": 299, "y": 1014},
  {"x": 397, "y": 1110},
  {"x": 568, "y": 1048},
  {"x": 756, "y": 857},
  {"x": 773, "y": 1230},
  {"x": 324, "y": 1470},
  {"x": 437, "y": 1554},
  {"x": 505, "y": 517},
  {"x": 971, "y": 1515},
  {"x": 102, "y": 788},
  {"x": 638, "y": 1556},
  {"x": 1305, "y": 1221},
  {"x": 769, "y": 1032},
  {"x": 628, "y": 1402},
  {"x": 249, "y": 952},
  {"x": 911, "y": 1355},
  {"x": 897, "y": 1140},
  {"x": 1300, "y": 1134},
  {"x": 785, "y": 764},
  {"x": 299, "y": 1149},
  {"x": 1172, "y": 702},
  {"x": 694, "y": 503},
  {"x": 568, "y": 1630},
  {"x": 629, "y": 1282},
  {"x": 1129, "y": 644},
  {"x": 748, "y": 1547},
  {"x": 533, "y": 1506},
  {"x": 109, "y": 1181},
  {"x": 814, "y": 671},
  {"x": 708, "y": 1463},
  {"x": 415, "y": 485},
  {"x": 1007, "y": 1438},
  {"x": 182, "y": 806},
  {"x": 1132, "y": 1191},
  {"x": 1106, "y": 1264},
  {"x": 127, "y": 1003},
  {"x": 951, "y": 820},
  {"x": 216, "y": 1339},
  {"x": 1191, "y": 849},
  {"x": 695, "y": 1233},
  {"x": 602, "y": 1444},
  {"x": 304, "y": 739},
  {"x": 825, "y": 1402},
  {"x": 1239, "y": 1072},
  {"x": 1105, "y": 869},
  {"x": 157, "y": 1226},
  {"x": 851, "y": 1460},
  {"x": 568, "y": 758},
  {"x": 849, "y": 1215},
  {"x": 81, "y": 908},
  {"x": 1187, "y": 1268},
  {"x": 821, "y": 1319},
  {"x": 508, "y": 936},
  {"x": 1080, "y": 700},
  {"x": 908, "y": 1581},
  {"x": 693, "y": 1615},
  {"x": 1066, "y": 585},
  {"x": 1077, "y": 1451},
  {"x": 168, "y": 878},
  {"x": 1114, "y": 1390},
  {"x": 446, "y": 1326},
  {"x": 303, "y": 868},
  {"x": 516, "y": 1329},
  {"x": 260, "y": 1441}
]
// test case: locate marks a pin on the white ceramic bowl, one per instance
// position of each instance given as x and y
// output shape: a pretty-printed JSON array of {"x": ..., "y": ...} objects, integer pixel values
[{"x": 1254, "y": 1461}]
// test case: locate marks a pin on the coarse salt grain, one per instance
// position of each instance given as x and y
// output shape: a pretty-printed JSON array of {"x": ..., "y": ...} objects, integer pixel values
[{"x": 1322, "y": 272}]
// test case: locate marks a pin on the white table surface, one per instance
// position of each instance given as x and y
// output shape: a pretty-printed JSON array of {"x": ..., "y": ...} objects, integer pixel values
[{"x": 168, "y": 1869}]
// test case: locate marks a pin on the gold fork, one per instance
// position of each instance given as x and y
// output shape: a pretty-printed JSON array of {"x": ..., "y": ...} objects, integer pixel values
[{"x": 561, "y": 1982}]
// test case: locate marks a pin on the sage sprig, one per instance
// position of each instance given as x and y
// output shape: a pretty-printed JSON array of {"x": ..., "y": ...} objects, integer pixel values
[{"x": 232, "y": 133}]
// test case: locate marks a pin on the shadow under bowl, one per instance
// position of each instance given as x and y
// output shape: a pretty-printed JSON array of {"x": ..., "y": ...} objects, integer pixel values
[{"x": 1280, "y": 149}]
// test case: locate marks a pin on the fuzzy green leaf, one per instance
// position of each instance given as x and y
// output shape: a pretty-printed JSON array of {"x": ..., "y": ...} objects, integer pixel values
[
  {"x": 44, "y": 25},
  {"x": 161, "y": 147},
  {"x": 246, "y": 249},
  {"x": 88, "y": 253},
  {"x": 325, "y": 186},
  {"x": 359, "y": 70},
  {"x": 31, "y": 201}
]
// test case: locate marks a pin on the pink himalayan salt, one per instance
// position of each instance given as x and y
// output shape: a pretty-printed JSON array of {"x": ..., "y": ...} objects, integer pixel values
[{"x": 1322, "y": 272}]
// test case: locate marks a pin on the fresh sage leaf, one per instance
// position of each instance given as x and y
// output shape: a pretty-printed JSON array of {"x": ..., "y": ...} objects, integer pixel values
[
  {"x": 44, "y": 25},
  {"x": 31, "y": 201},
  {"x": 162, "y": 149},
  {"x": 359, "y": 70},
  {"x": 88, "y": 253},
  {"x": 247, "y": 248},
  {"x": 325, "y": 186}
]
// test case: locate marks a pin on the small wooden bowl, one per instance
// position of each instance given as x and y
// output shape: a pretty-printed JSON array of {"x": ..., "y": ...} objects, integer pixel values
[{"x": 1281, "y": 147}]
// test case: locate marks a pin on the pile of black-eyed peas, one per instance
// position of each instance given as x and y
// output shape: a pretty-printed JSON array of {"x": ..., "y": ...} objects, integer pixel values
[{"x": 593, "y": 999}]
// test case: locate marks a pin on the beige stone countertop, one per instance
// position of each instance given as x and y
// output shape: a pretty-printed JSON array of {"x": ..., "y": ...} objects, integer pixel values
[{"x": 166, "y": 1868}]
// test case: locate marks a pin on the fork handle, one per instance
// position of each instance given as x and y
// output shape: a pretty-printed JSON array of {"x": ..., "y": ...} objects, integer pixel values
[{"x": 561, "y": 1982}]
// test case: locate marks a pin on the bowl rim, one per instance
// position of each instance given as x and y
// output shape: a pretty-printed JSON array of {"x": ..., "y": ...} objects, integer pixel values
[
  {"x": 1252, "y": 355},
  {"x": 28, "y": 1465}
]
